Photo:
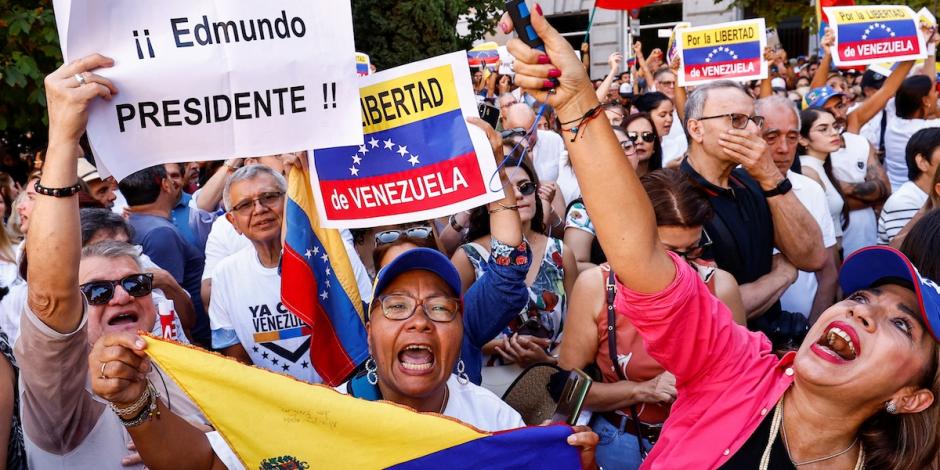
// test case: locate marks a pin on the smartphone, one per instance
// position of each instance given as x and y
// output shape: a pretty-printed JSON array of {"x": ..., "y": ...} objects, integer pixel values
[
  {"x": 489, "y": 113},
  {"x": 572, "y": 398}
]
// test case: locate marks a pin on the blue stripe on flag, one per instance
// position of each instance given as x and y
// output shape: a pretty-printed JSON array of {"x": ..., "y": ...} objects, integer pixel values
[
  {"x": 721, "y": 54},
  {"x": 400, "y": 149},
  {"x": 853, "y": 32}
]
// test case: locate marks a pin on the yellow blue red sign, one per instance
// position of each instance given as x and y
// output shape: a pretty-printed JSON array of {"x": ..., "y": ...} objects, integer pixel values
[
  {"x": 731, "y": 50},
  {"x": 875, "y": 33}
]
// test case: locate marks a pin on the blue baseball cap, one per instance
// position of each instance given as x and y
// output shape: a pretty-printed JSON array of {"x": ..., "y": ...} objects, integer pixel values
[
  {"x": 867, "y": 266},
  {"x": 817, "y": 97},
  {"x": 424, "y": 259}
]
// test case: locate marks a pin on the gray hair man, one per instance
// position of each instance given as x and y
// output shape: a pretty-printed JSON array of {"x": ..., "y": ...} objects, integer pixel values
[{"x": 754, "y": 209}]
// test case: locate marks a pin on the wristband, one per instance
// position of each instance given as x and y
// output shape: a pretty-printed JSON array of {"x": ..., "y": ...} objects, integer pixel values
[
  {"x": 503, "y": 207},
  {"x": 58, "y": 192},
  {"x": 454, "y": 225}
]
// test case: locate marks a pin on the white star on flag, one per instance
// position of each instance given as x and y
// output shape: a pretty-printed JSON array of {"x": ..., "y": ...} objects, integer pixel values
[
  {"x": 389, "y": 144},
  {"x": 327, "y": 283},
  {"x": 363, "y": 150},
  {"x": 308, "y": 254},
  {"x": 356, "y": 159},
  {"x": 354, "y": 171},
  {"x": 324, "y": 295},
  {"x": 328, "y": 271},
  {"x": 374, "y": 142},
  {"x": 316, "y": 250},
  {"x": 413, "y": 160},
  {"x": 402, "y": 150},
  {"x": 325, "y": 258}
]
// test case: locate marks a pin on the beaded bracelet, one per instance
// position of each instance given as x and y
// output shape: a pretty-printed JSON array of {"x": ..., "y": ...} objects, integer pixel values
[
  {"x": 148, "y": 408},
  {"x": 134, "y": 408},
  {"x": 58, "y": 192}
]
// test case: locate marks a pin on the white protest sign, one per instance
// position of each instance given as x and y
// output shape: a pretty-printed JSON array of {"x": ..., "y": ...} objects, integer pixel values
[
  {"x": 733, "y": 51},
  {"x": 875, "y": 33},
  {"x": 217, "y": 79},
  {"x": 420, "y": 159}
]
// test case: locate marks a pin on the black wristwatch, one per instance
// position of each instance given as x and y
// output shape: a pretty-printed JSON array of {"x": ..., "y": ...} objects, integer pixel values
[{"x": 783, "y": 187}]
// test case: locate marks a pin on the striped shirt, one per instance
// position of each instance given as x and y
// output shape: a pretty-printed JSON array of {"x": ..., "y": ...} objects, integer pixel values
[{"x": 899, "y": 209}]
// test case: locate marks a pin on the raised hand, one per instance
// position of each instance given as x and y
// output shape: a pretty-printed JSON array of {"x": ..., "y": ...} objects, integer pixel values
[
  {"x": 118, "y": 367},
  {"x": 69, "y": 91}
]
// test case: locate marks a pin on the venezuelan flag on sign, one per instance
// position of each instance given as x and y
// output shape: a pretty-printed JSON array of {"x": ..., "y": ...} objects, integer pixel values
[
  {"x": 318, "y": 286},
  {"x": 269, "y": 419},
  {"x": 821, "y": 19},
  {"x": 484, "y": 54},
  {"x": 868, "y": 34},
  {"x": 417, "y": 154},
  {"x": 725, "y": 51},
  {"x": 362, "y": 64}
]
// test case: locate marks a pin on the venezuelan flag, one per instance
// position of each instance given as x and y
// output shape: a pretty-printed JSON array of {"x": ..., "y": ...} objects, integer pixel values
[
  {"x": 318, "y": 285},
  {"x": 417, "y": 154},
  {"x": 484, "y": 54},
  {"x": 362, "y": 64},
  {"x": 729, "y": 51},
  {"x": 269, "y": 419},
  {"x": 821, "y": 19}
]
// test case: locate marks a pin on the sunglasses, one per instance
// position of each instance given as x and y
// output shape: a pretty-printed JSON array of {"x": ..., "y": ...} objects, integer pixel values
[
  {"x": 528, "y": 188},
  {"x": 516, "y": 131},
  {"x": 647, "y": 136},
  {"x": 101, "y": 292},
  {"x": 695, "y": 253},
  {"x": 392, "y": 236},
  {"x": 738, "y": 120}
]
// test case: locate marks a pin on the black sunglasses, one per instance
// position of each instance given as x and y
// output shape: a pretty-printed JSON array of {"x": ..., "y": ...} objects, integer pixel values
[
  {"x": 101, "y": 292},
  {"x": 647, "y": 136},
  {"x": 392, "y": 236},
  {"x": 516, "y": 131},
  {"x": 528, "y": 188},
  {"x": 695, "y": 253}
]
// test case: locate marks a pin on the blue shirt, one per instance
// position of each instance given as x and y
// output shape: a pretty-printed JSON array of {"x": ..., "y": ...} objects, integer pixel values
[
  {"x": 164, "y": 244},
  {"x": 492, "y": 301}
]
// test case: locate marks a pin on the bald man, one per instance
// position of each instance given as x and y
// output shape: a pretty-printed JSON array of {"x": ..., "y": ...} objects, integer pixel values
[{"x": 545, "y": 147}]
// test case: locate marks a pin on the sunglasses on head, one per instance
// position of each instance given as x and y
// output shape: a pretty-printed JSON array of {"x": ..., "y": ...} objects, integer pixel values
[
  {"x": 392, "y": 236},
  {"x": 528, "y": 188},
  {"x": 647, "y": 136},
  {"x": 101, "y": 292}
]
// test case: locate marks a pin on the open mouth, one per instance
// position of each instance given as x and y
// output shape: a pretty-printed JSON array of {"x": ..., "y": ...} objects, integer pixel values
[
  {"x": 416, "y": 358},
  {"x": 120, "y": 319},
  {"x": 839, "y": 342}
]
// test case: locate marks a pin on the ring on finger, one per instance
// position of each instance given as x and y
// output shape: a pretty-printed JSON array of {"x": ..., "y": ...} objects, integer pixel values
[
  {"x": 102, "y": 376},
  {"x": 80, "y": 78}
]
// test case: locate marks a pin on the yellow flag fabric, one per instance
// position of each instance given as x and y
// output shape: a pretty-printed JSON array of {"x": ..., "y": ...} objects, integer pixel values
[{"x": 265, "y": 416}]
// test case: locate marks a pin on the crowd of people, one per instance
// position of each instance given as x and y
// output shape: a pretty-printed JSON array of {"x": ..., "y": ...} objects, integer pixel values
[{"x": 745, "y": 269}]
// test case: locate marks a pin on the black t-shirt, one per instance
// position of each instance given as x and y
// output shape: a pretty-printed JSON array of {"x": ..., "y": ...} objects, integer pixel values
[
  {"x": 748, "y": 456},
  {"x": 742, "y": 229}
]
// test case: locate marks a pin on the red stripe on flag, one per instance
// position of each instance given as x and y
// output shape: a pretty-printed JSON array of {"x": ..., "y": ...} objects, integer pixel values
[
  {"x": 299, "y": 294},
  {"x": 736, "y": 68},
  {"x": 408, "y": 191},
  {"x": 859, "y": 50},
  {"x": 621, "y": 4}
]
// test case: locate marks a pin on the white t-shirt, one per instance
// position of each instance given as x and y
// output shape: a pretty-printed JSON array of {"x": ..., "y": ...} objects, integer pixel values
[
  {"x": 675, "y": 144},
  {"x": 799, "y": 296},
  {"x": 850, "y": 165},
  {"x": 472, "y": 404},
  {"x": 547, "y": 154},
  {"x": 246, "y": 299},
  {"x": 223, "y": 241},
  {"x": 899, "y": 209},
  {"x": 833, "y": 200},
  {"x": 567, "y": 180},
  {"x": 897, "y": 134}
]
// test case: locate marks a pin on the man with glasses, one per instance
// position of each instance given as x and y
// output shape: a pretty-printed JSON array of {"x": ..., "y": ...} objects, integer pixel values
[
  {"x": 151, "y": 196},
  {"x": 249, "y": 322},
  {"x": 545, "y": 147},
  {"x": 811, "y": 293},
  {"x": 754, "y": 210}
]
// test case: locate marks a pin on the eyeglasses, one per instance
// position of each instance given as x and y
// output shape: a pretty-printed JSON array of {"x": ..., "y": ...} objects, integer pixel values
[
  {"x": 627, "y": 145},
  {"x": 439, "y": 309},
  {"x": 267, "y": 200},
  {"x": 101, "y": 292},
  {"x": 668, "y": 84},
  {"x": 647, "y": 136},
  {"x": 392, "y": 236},
  {"x": 773, "y": 136},
  {"x": 695, "y": 253},
  {"x": 738, "y": 120},
  {"x": 528, "y": 188},
  {"x": 515, "y": 131}
]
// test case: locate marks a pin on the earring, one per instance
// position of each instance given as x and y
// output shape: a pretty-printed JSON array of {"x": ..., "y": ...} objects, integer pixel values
[
  {"x": 371, "y": 375},
  {"x": 462, "y": 373},
  {"x": 891, "y": 408}
]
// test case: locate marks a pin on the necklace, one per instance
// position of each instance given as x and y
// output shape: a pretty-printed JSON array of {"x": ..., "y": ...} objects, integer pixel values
[
  {"x": 446, "y": 396},
  {"x": 775, "y": 427}
]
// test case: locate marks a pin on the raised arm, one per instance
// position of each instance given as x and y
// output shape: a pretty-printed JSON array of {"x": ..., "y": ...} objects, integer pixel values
[
  {"x": 822, "y": 72},
  {"x": 211, "y": 193},
  {"x": 680, "y": 93},
  {"x": 614, "y": 61},
  {"x": 608, "y": 182},
  {"x": 53, "y": 245},
  {"x": 766, "y": 88}
]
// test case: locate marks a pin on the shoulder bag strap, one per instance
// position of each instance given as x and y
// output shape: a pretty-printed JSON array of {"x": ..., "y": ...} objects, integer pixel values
[{"x": 612, "y": 351}]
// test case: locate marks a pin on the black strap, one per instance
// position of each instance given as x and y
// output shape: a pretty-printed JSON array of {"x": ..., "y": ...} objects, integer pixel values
[
  {"x": 881, "y": 138},
  {"x": 612, "y": 351}
]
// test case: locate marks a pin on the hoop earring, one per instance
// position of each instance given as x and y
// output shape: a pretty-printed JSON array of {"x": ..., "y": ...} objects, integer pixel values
[
  {"x": 371, "y": 375},
  {"x": 891, "y": 408},
  {"x": 462, "y": 377}
]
